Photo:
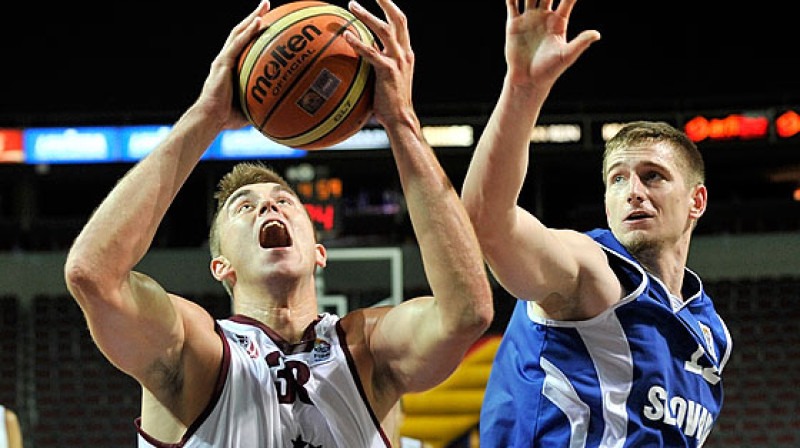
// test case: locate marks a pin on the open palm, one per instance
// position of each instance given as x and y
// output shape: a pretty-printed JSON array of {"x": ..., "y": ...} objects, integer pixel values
[{"x": 537, "y": 50}]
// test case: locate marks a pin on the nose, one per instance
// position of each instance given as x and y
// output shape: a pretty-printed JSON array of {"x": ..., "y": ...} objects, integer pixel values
[
  {"x": 636, "y": 193},
  {"x": 266, "y": 206}
]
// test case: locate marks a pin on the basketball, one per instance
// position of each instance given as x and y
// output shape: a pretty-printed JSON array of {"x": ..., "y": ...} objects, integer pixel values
[{"x": 300, "y": 83}]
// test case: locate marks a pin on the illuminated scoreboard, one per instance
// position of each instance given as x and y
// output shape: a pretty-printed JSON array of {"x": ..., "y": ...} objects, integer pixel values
[{"x": 321, "y": 194}]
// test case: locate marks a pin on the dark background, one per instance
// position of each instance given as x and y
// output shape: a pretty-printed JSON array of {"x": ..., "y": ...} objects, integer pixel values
[
  {"x": 118, "y": 63},
  {"x": 94, "y": 60}
]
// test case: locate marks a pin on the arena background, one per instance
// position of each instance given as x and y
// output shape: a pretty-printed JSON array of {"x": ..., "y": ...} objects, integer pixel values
[{"x": 113, "y": 64}]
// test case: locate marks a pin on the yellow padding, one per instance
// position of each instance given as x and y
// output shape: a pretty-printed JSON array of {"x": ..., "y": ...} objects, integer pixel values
[
  {"x": 467, "y": 376},
  {"x": 443, "y": 402},
  {"x": 484, "y": 353},
  {"x": 440, "y": 415}
]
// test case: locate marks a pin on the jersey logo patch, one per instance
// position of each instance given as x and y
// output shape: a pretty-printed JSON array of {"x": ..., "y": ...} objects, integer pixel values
[
  {"x": 709, "y": 337},
  {"x": 321, "y": 351},
  {"x": 248, "y": 345}
]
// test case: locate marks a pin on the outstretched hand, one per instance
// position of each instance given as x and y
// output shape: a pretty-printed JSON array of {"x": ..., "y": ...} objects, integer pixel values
[
  {"x": 537, "y": 50},
  {"x": 394, "y": 65},
  {"x": 216, "y": 96}
]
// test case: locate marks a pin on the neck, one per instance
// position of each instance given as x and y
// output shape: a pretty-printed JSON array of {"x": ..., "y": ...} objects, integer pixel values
[
  {"x": 286, "y": 310},
  {"x": 669, "y": 265}
]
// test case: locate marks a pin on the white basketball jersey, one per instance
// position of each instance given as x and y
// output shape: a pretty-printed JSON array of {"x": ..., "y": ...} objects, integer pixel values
[{"x": 272, "y": 394}]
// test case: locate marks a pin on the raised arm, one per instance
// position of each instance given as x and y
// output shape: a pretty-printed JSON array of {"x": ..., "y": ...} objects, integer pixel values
[
  {"x": 418, "y": 343},
  {"x": 134, "y": 321},
  {"x": 13, "y": 432},
  {"x": 528, "y": 259}
]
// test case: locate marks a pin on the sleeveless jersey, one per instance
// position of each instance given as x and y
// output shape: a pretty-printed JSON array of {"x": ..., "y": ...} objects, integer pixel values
[
  {"x": 646, "y": 372},
  {"x": 272, "y": 394},
  {"x": 3, "y": 430}
]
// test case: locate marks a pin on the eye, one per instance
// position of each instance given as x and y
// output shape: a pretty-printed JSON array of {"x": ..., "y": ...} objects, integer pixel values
[
  {"x": 284, "y": 201},
  {"x": 617, "y": 178},
  {"x": 653, "y": 176},
  {"x": 244, "y": 207}
]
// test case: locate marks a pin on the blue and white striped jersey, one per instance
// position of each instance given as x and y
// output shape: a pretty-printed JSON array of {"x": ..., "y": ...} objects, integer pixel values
[{"x": 646, "y": 372}]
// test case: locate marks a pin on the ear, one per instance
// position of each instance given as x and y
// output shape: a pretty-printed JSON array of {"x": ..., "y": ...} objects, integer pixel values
[
  {"x": 321, "y": 255},
  {"x": 221, "y": 268},
  {"x": 699, "y": 202}
]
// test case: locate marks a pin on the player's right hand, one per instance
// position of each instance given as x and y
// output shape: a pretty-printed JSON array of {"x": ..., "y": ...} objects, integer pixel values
[{"x": 217, "y": 95}]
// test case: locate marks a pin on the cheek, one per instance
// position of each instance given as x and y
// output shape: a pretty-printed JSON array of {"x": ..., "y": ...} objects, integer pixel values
[{"x": 612, "y": 203}]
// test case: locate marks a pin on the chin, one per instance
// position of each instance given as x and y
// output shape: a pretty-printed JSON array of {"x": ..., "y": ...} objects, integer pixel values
[{"x": 638, "y": 241}]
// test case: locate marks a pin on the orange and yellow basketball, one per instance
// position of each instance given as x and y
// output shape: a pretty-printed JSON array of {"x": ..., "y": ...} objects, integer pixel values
[{"x": 300, "y": 83}]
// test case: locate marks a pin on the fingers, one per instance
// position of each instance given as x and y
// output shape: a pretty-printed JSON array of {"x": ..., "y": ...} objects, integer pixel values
[
  {"x": 511, "y": 8},
  {"x": 393, "y": 33},
  {"x": 397, "y": 21},
  {"x": 580, "y": 43},
  {"x": 565, "y": 8},
  {"x": 546, "y": 5},
  {"x": 379, "y": 27},
  {"x": 248, "y": 24},
  {"x": 368, "y": 52}
]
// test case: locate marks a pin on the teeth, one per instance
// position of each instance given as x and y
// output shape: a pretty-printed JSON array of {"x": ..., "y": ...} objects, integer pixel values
[{"x": 274, "y": 234}]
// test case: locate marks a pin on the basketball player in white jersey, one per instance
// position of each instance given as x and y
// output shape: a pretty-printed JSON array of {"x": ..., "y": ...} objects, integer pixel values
[
  {"x": 276, "y": 374},
  {"x": 10, "y": 434}
]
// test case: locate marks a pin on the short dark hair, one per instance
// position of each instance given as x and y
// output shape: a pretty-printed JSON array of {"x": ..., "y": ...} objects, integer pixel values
[{"x": 640, "y": 132}]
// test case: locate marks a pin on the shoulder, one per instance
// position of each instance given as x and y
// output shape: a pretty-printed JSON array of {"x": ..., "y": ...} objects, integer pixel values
[
  {"x": 193, "y": 315},
  {"x": 598, "y": 287},
  {"x": 359, "y": 324},
  {"x": 11, "y": 418}
]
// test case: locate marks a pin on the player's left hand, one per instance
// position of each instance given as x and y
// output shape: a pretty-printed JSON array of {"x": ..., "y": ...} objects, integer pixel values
[
  {"x": 394, "y": 64},
  {"x": 537, "y": 50}
]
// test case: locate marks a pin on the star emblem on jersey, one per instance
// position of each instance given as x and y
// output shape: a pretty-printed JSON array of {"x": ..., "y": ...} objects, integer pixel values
[{"x": 300, "y": 443}]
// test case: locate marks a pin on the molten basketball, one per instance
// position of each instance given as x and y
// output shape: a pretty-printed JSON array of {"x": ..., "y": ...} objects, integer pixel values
[{"x": 300, "y": 83}]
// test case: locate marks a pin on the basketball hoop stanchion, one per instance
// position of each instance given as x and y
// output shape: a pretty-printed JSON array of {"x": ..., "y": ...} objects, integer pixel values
[{"x": 339, "y": 303}]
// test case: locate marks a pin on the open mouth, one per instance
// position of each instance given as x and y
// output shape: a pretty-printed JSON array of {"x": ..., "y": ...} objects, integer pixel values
[
  {"x": 637, "y": 216},
  {"x": 274, "y": 234}
]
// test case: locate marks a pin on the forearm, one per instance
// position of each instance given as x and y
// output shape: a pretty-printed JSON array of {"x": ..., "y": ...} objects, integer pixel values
[
  {"x": 450, "y": 253},
  {"x": 499, "y": 166},
  {"x": 121, "y": 230}
]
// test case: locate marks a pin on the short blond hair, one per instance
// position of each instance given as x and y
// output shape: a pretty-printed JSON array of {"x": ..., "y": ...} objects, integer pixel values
[
  {"x": 642, "y": 132},
  {"x": 245, "y": 173}
]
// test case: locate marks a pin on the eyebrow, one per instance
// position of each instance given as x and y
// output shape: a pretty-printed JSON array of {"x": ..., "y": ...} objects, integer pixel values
[
  {"x": 248, "y": 192},
  {"x": 285, "y": 189},
  {"x": 646, "y": 164},
  {"x": 235, "y": 196}
]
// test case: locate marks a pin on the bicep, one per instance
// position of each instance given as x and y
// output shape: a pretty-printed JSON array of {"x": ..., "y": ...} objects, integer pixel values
[
  {"x": 136, "y": 325},
  {"x": 564, "y": 271},
  {"x": 532, "y": 261},
  {"x": 412, "y": 346}
]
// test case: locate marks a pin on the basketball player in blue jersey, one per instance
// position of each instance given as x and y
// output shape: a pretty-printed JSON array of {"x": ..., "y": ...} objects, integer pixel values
[
  {"x": 277, "y": 374},
  {"x": 613, "y": 341}
]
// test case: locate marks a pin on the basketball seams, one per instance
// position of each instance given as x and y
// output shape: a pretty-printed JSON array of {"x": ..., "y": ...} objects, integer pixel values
[
  {"x": 267, "y": 36},
  {"x": 270, "y": 101},
  {"x": 354, "y": 93},
  {"x": 299, "y": 76},
  {"x": 328, "y": 124}
]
